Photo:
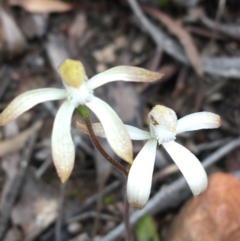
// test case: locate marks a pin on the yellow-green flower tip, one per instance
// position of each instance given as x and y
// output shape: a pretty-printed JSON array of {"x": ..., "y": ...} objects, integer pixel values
[{"x": 72, "y": 72}]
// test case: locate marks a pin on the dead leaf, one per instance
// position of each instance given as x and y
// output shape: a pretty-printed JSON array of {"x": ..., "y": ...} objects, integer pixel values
[
  {"x": 78, "y": 27},
  {"x": 108, "y": 55},
  {"x": 214, "y": 215},
  {"x": 15, "y": 40},
  {"x": 183, "y": 36},
  {"x": 37, "y": 207},
  {"x": 138, "y": 44},
  {"x": 120, "y": 42},
  {"x": 42, "y": 6},
  {"x": 18, "y": 142},
  {"x": 14, "y": 234},
  {"x": 120, "y": 95}
]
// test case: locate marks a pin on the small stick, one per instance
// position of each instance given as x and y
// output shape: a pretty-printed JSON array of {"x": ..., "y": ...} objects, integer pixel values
[
  {"x": 58, "y": 224},
  {"x": 220, "y": 11},
  {"x": 180, "y": 81},
  {"x": 91, "y": 200},
  {"x": 16, "y": 186},
  {"x": 5, "y": 80},
  {"x": 99, "y": 206},
  {"x": 94, "y": 214}
]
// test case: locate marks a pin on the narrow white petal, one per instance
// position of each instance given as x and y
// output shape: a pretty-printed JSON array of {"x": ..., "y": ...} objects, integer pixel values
[
  {"x": 26, "y": 101},
  {"x": 134, "y": 133},
  {"x": 124, "y": 73},
  {"x": 189, "y": 165},
  {"x": 137, "y": 134},
  {"x": 197, "y": 121},
  {"x": 63, "y": 150},
  {"x": 140, "y": 175},
  {"x": 114, "y": 128}
]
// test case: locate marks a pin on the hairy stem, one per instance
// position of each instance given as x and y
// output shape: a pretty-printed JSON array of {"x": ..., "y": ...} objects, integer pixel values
[
  {"x": 99, "y": 147},
  {"x": 83, "y": 112}
]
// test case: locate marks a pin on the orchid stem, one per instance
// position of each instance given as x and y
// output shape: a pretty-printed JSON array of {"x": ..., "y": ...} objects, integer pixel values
[{"x": 84, "y": 113}]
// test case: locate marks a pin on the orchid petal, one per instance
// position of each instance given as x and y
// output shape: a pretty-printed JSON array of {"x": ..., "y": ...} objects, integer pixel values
[
  {"x": 63, "y": 150},
  {"x": 134, "y": 133},
  {"x": 189, "y": 165},
  {"x": 114, "y": 128},
  {"x": 197, "y": 121},
  {"x": 137, "y": 134},
  {"x": 26, "y": 101},
  {"x": 140, "y": 175},
  {"x": 124, "y": 73}
]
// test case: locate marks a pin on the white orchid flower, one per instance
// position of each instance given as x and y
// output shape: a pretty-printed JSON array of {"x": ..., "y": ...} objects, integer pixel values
[
  {"x": 79, "y": 91},
  {"x": 164, "y": 127}
]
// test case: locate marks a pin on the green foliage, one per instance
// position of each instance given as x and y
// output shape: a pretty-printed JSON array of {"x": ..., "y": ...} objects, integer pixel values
[{"x": 146, "y": 229}]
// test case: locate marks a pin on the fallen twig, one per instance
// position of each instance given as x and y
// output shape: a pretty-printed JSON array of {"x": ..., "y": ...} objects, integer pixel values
[
  {"x": 183, "y": 36},
  {"x": 16, "y": 185},
  {"x": 227, "y": 29},
  {"x": 5, "y": 80},
  {"x": 58, "y": 224},
  {"x": 221, "y": 152},
  {"x": 101, "y": 185},
  {"x": 222, "y": 67},
  {"x": 90, "y": 201},
  {"x": 180, "y": 81},
  {"x": 211, "y": 145},
  {"x": 94, "y": 214},
  {"x": 220, "y": 11},
  {"x": 18, "y": 142}
]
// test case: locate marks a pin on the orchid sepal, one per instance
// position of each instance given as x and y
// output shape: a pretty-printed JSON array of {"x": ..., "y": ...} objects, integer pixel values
[
  {"x": 197, "y": 121},
  {"x": 27, "y": 100},
  {"x": 63, "y": 149},
  {"x": 116, "y": 133},
  {"x": 124, "y": 73},
  {"x": 134, "y": 133}
]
